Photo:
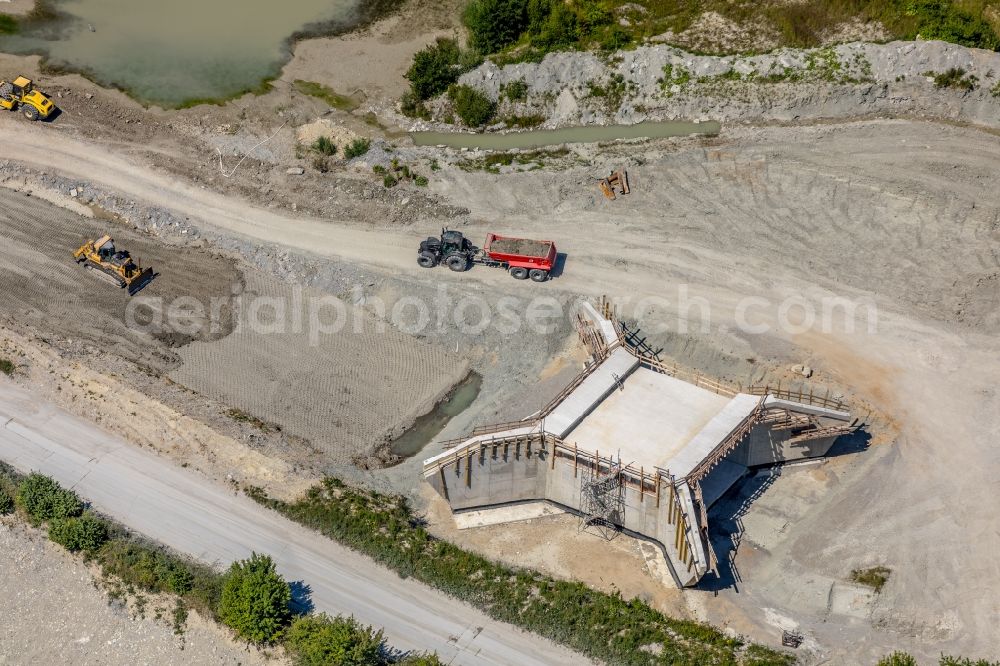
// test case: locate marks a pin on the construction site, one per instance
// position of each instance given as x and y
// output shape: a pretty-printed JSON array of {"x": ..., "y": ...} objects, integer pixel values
[
  {"x": 724, "y": 374},
  {"x": 673, "y": 444}
]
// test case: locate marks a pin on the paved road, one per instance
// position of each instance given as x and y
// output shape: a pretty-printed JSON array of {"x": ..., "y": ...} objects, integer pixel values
[{"x": 192, "y": 515}]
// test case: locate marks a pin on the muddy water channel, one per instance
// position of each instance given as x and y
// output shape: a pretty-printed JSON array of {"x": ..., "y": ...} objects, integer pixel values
[
  {"x": 586, "y": 134},
  {"x": 429, "y": 425},
  {"x": 170, "y": 52}
]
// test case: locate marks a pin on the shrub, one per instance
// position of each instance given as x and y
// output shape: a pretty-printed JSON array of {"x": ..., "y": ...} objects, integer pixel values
[
  {"x": 389, "y": 180},
  {"x": 412, "y": 106},
  {"x": 384, "y": 527},
  {"x": 420, "y": 181},
  {"x": 319, "y": 640},
  {"x": 947, "y": 660},
  {"x": 43, "y": 499},
  {"x": 357, "y": 148},
  {"x": 494, "y": 24},
  {"x": 8, "y": 24},
  {"x": 897, "y": 659},
  {"x": 6, "y": 503},
  {"x": 255, "y": 600},
  {"x": 954, "y": 78},
  {"x": 433, "y": 70},
  {"x": 515, "y": 90},
  {"x": 324, "y": 146},
  {"x": 153, "y": 570},
  {"x": 74, "y": 534},
  {"x": 7, "y": 366},
  {"x": 472, "y": 106},
  {"x": 422, "y": 660},
  {"x": 378, "y": 168},
  {"x": 874, "y": 578}
]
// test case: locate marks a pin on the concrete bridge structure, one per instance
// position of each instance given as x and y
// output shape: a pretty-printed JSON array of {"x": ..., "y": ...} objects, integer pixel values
[{"x": 634, "y": 445}]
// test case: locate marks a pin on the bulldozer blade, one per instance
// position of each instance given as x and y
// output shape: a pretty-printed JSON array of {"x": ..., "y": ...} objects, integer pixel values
[
  {"x": 137, "y": 285},
  {"x": 606, "y": 189}
]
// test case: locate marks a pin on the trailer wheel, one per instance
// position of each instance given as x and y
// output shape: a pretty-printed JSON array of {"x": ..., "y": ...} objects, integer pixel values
[
  {"x": 518, "y": 272},
  {"x": 427, "y": 259},
  {"x": 457, "y": 263},
  {"x": 539, "y": 275}
]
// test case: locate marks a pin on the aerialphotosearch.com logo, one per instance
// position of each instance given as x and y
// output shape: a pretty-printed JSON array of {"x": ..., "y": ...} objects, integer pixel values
[{"x": 318, "y": 316}]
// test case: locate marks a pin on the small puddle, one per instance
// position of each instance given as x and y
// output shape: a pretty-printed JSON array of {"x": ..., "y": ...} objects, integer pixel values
[
  {"x": 427, "y": 427},
  {"x": 587, "y": 134}
]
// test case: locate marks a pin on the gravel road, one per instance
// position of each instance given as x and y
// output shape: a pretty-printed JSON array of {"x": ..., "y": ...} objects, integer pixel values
[{"x": 193, "y": 516}]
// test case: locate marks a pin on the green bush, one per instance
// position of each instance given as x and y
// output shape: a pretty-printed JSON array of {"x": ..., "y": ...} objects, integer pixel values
[
  {"x": 74, "y": 534},
  {"x": 421, "y": 660},
  {"x": 947, "y": 660},
  {"x": 43, "y": 499},
  {"x": 605, "y": 627},
  {"x": 7, "y": 366},
  {"x": 494, "y": 24},
  {"x": 875, "y": 578},
  {"x": 324, "y": 146},
  {"x": 357, "y": 148},
  {"x": 420, "y": 181},
  {"x": 153, "y": 570},
  {"x": 8, "y": 24},
  {"x": 897, "y": 659},
  {"x": 255, "y": 600},
  {"x": 472, "y": 106},
  {"x": 434, "y": 69},
  {"x": 319, "y": 640},
  {"x": 6, "y": 503},
  {"x": 515, "y": 91},
  {"x": 954, "y": 78},
  {"x": 389, "y": 180}
]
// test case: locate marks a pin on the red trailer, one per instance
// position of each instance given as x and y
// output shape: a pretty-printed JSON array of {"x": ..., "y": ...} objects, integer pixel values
[{"x": 522, "y": 257}]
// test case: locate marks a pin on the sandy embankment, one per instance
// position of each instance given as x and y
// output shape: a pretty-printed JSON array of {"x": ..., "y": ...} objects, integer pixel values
[{"x": 16, "y": 7}]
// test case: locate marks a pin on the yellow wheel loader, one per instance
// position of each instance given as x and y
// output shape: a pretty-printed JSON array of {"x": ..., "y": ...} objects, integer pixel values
[
  {"x": 21, "y": 94},
  {"x": 113, "y": 265}
]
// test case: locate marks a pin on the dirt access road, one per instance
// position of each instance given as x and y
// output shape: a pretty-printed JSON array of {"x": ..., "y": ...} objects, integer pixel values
[
  {"x": 194, "y": 516},
  {"x": 902, "y": 213}
]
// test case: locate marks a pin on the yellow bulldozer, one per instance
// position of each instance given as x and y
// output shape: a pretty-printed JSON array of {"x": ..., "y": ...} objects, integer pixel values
[
  {"x": 21, "y": 94},
  {"x": 113, "y": 265}
]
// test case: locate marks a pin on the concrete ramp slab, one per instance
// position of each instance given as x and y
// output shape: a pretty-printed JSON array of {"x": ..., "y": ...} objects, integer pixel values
[
  {"x": 723, "y": 424},
  {"x": 591, "y": 392}
]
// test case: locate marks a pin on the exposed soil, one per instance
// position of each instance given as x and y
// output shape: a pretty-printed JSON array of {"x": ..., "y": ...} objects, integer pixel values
[
  {"x": 898, "y": 214},
  {"x": 58, "y": 613}
]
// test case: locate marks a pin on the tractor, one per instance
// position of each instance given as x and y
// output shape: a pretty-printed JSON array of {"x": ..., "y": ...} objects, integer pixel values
[
  {"x": 452, "y": 249},
  {"x": 21, "y": 94}
]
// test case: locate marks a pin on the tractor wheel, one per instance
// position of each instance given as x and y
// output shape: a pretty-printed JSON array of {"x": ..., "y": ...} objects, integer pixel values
[
  {"x": 31, "y": 113},
  {"x": 457, "y": 263},
  {"x": 427, "y": 260},
  {"x": 519, "y": 272},
  {"x": 538, "y": 275}
]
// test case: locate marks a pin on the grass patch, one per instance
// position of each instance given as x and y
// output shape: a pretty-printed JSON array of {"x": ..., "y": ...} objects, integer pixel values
[
  {"x": 492, "y": 162},
  {"x": 324, "y": 146},
  {"x": 875, "y": 577},
  {"x": 243, "y": 417},
  {"x": 524, "y": 122},
  {"x": 357, "y": 148},
  {"x": 325, "y": 93},
  {"x": 954, "y": 77},
  {"x": 8, "y": 24},
  {"x": 604, "y": 627},
  {"x": 7, "y": 366}
]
